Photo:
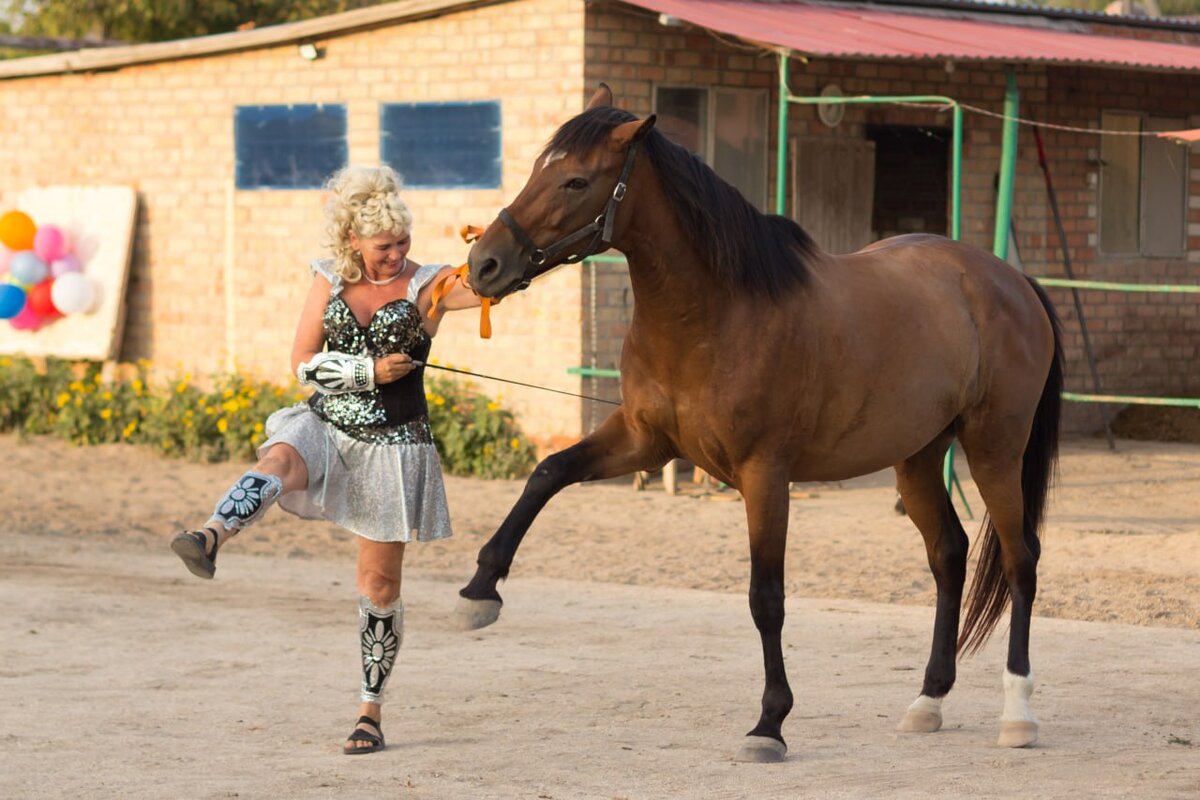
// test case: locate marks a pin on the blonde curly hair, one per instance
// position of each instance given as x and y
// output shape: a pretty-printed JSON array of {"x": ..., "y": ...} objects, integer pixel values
[{"x": 365, "y": 200}]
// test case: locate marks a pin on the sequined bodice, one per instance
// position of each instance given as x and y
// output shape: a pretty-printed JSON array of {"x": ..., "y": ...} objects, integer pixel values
[{"x": 394, "y": 412}]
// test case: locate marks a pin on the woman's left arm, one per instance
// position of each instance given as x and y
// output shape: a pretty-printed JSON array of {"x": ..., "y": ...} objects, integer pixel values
[{"x": 456, "y": 295}]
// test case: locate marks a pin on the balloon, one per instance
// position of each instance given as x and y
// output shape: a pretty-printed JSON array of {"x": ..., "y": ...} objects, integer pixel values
[
  {"x": 68, "y": 263},
  {"x": 12, "y": 300},
  {"x": 72, "y": 293},
  {"x": 39, "y": 299},
  {"x": 27, "y": 320},
  {"x": 17, "y": 230},
  {"x": 27, "y": 268},
  {"x": 48, "y": 243}
]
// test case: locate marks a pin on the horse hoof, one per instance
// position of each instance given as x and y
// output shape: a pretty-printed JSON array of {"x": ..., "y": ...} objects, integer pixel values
[
  {"x": 917, "y": 721},
  {"x": 761, "y": 750},
  {"x": 475, "y": 614},
  {"x": 1017, "y": 733}
]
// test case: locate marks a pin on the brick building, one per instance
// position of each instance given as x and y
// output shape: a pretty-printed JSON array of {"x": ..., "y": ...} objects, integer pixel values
[{"x": 229, "y": 216}]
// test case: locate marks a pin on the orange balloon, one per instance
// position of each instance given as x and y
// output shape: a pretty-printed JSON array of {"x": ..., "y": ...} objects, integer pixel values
[{"x": 17, "y": 230}]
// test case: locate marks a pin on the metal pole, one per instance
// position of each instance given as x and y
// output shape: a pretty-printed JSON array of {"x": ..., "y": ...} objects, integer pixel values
[
  {"x": 956, "y": 177},
  {"x": 1008, "y": 163},
  {"x": 781, "y": 147}
]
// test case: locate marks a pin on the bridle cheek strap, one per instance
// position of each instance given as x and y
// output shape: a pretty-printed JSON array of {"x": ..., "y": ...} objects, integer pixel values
[{"x": 600, "y": 230}]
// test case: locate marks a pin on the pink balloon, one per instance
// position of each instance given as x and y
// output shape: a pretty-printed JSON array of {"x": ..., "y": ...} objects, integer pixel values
[
  {"x": 48, "y": 243},
  {"x": 27, "y": 320},
  {"x": 5, "y": 256},
  {"x": 68, "y": 263}
]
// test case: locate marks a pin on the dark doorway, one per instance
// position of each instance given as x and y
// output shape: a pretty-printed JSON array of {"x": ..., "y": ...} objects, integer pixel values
[{"x": 912, "y": 180}]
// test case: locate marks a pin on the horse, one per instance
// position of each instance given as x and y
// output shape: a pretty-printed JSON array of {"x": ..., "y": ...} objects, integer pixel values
[{"x": 765, "y": 360}]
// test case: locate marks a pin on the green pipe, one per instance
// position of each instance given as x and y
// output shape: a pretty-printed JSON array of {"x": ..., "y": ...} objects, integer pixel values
[
  {"x": 1120, "y": 287},
  {"x": 956, "y": 177},
  {"x": 594, "y": 372},
  {"x": 782, "y": 133},
  {"x": 1185, "y": 402},
  {"x": 916, "y": 99},
  {"x": 1008, "y": 165}
]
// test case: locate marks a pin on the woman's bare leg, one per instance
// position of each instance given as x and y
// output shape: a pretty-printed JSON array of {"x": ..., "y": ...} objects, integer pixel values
[{"x": 381, "y": 623}]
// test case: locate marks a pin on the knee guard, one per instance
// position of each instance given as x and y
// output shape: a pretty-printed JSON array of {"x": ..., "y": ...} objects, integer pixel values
[
  {"x": 381, "y": 632},
  {"x": 247, "y": 500}
]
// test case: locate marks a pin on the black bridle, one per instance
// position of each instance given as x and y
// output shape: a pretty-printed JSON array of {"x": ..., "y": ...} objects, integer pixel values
[{"x": 541, "y": 260}]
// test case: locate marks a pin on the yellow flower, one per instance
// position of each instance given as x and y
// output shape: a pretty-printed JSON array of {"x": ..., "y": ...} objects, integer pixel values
[
  {"x": 181, "y": 387},
  {"x": 222, "y": 425},
  {"x": 129, "y": 429},
  {"x": 106, "y": 413},
  {"x": 78, "y": 401},
  {"x": 137, "y": 387},
  {"x": 63, "y": 399},
  {"x": 515, "y": 443},
  {"x": 97, "y": 377},
  {"x": 166, "y": 444},
  {"x": 438, "y": 400},
  {"x": 492, "y": 406},
  {"x": 258, "y": 427},
  {"x": 75, "y": 386},
  {"x": 106, "y": 396},
  {"x": 228, "y": 393}
]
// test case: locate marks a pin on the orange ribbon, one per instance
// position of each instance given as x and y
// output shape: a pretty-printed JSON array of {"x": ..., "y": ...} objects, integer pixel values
[{"x": 445, "y": 283}]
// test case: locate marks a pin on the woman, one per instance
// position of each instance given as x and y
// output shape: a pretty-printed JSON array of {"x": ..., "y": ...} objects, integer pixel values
[{"x": 360, "y": 452}]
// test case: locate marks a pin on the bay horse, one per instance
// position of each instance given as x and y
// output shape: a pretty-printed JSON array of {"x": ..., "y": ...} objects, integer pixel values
[{"x": 764, "y": 360}]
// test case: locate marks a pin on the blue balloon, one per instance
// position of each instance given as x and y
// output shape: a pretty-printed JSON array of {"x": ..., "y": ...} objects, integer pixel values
[
  {"x": 12, "y": 300},
  {"x": 27, "y": 268}
]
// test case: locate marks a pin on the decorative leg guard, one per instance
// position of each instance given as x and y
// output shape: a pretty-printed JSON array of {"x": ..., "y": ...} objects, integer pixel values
[
  {"x": 246, "y": 500},
  {"x": 381, "y": 631}
]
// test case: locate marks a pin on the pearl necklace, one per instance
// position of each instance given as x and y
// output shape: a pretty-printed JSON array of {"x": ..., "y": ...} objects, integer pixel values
[{"x": 386, "y": 281}]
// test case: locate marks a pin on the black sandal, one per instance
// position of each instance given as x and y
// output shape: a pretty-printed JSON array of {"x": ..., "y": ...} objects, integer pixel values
[
  {"x": 198, "y": 557},
  {"x": 359, "y": 735}
]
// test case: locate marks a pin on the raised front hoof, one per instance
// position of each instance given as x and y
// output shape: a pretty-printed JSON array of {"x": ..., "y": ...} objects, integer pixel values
[
  {"x": 475, "y": 614},
  {"x": 916, "y": 721},
  {"x": 761, "y": 750},
  {"x": 1019, "y": 733}
]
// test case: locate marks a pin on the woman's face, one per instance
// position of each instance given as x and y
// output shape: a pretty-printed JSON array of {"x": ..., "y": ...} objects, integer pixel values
[{"x": 383, "y": 253}]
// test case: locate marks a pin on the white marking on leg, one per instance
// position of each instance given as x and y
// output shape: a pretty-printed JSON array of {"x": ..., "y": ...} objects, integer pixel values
[
  {"x": 1017, "y": 691},
  {"x": 930, "y": 705}
]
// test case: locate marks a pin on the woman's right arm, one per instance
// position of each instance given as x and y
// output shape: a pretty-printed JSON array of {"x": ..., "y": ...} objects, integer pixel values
[{"x": 310, "y": 332}]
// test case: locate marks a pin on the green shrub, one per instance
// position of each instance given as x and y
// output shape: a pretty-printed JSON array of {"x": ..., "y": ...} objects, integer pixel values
[
  {"x": 474, "y": 435},
  {"x": 78, "y": 402}
]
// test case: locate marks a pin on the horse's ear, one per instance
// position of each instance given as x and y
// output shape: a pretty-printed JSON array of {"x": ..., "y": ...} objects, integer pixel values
[
  {"x": 602, "y": 98},
  {"x": 627, "y": 133}
]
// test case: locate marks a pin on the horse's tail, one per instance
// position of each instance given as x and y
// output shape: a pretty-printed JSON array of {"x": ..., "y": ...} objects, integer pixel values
[{"x": 989, "y": 590}]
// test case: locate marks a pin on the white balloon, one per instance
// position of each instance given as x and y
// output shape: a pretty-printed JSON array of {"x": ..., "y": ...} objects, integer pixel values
[{"x": 72, "y": 293}]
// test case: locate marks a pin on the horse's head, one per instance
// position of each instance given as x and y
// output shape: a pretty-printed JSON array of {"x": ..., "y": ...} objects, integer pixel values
[{"x": 568, "y": 208}]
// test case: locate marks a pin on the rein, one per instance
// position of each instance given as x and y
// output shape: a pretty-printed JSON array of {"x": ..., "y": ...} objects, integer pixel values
[{"x": 600, "y": 229}]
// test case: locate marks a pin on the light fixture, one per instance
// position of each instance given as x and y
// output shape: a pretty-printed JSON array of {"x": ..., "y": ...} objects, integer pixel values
[
  {"x": 309, "y": 51},
  {"x": 668, "y": 21},
  {"x": 831, "y": 113}
]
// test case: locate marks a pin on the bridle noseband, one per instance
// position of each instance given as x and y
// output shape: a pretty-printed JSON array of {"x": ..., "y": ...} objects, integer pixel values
[{"x": 541, "y": 260}]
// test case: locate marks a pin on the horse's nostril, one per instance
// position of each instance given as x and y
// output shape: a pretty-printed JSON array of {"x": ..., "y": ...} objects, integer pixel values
[{"x": 489, "y": 268}]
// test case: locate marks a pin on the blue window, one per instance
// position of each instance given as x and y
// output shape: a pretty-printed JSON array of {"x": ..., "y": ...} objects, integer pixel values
[
  {"x": 442, "y": 145},
  {"x": 289, "y": 147}
]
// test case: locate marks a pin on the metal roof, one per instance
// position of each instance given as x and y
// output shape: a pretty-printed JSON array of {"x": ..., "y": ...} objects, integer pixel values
[{"x": 844, "y": 30}]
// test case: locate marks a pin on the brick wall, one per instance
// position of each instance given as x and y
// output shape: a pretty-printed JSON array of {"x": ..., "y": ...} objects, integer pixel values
[
  {"x": 206, "y": 253},
  {"x": 1146, "y": 343}
]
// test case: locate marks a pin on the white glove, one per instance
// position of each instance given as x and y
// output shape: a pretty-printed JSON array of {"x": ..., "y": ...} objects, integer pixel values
[{"x": 337, "y": 373}]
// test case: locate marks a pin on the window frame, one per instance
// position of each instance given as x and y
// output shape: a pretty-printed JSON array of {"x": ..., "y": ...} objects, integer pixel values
[
  {"x": 240, "y": 180},
  {"x": 710, "y": 129},
  {"x": 1143, "y": 249},
  {"x": 409, "y": 183}
]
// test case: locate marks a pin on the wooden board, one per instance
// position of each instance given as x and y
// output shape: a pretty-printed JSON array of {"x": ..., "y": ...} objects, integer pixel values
[{"x": 100, "y": 220}]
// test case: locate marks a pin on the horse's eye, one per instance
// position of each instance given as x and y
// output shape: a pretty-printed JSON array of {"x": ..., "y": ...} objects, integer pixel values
[{"x": 576, "y": 184}]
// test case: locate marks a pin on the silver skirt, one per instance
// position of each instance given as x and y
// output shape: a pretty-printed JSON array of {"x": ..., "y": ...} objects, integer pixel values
[{"x": 383, "y": 492}]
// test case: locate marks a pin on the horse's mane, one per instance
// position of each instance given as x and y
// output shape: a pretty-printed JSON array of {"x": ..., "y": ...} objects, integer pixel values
[{"x": 758, "y": 253}]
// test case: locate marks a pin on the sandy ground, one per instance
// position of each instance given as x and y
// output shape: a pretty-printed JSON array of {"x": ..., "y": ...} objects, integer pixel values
[{"x": 123, "y": 676}]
